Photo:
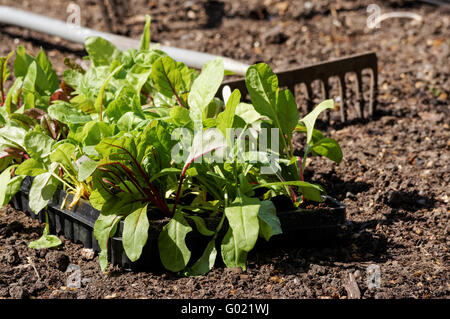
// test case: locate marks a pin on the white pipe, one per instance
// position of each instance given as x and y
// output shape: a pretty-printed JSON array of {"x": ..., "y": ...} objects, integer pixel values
[
  {"x": 398, "y": 14},
  {"x": 78, "y": 34}
]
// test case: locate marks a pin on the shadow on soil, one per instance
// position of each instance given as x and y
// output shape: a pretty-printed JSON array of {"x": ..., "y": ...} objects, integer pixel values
[
  {"x": 353, "y": 244},
  {"x": 337, "y": 187}
]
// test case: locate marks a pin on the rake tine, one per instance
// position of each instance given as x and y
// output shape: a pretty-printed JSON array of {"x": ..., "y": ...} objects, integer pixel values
[
  {"x": 373, "y": 91},
  {"x": 323, "y": 71},
  {"x": 325, "y": 87},
  {"x": 343, "y": 102},
  {"x": 292, "y": 89},
  {"x": 309, "y": 97},
  {"x": 359, "y": 95}
]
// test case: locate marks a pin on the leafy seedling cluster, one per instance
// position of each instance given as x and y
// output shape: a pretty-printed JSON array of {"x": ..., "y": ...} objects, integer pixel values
[{"x": 105, "y": 134}]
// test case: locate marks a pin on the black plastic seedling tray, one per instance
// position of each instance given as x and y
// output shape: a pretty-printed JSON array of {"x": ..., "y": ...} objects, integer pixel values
[{"x": 301, "y": 227}]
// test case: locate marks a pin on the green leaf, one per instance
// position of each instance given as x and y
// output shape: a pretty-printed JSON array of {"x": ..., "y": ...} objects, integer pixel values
[
  {"x": 205, "y": 88},
  {"x": 206, "y": 262},
  {"x": 280, "y": 107},
  {"x": 41, "y": 191},
  {"x": 67, "y": 114},
  {"x": 31, "y": 167},
  {"x": 99, "y": 100},
  {"x": 203, "y": 143},
  {"x": 29, "y": 87},
  {"x": 46, "y": 240},
  {"x": 310, "y": 191},
  {"x": 101, "y": 51},
  {"x": 104, "y": 228},
  {"x": 12, "y": 188},
  {"x": 247, "y": 113},
  {"x": 226, "y": 118},
  {"x": 242, "y": 216},
  {"x": 135, "y": 233},
  {"x": 92, "y": 133},
  {"x": 167, "y": 76},
  {"x": 12, "y": 136},
  {"x": 50, "y": 73},
  {"x": 38, "y": 145},
  {"x": 179, "y": 116},
  {"x": 316, "y": 134},
  {"x": 329, "y": 148},
  {"x": 201, "y": 226},
  {"x": 262, "y": 85},
  {"x": 232, "y": 254},
  {"x": 63, "y": 155},
  {"x": 4, "y": 74},
  {"x": 43, "y": 75},
  {"x": 145, "y": 39},
  {"x": 86, "y": 168},
  {"x": 269, "y": 224},
  {"x": 4, "y": 71},
  {"x": 5, "y": 177},
  {"x": 287, "y": 112},
  {"x": 310, "y": 119},
  {"x": 12, "y": 98},
  {"x": 171, "y": 243},
  {"x": 165, "y": 171}
]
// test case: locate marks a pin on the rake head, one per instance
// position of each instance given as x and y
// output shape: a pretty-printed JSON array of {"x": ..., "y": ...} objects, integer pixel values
[{"x": 341, "y": 70}]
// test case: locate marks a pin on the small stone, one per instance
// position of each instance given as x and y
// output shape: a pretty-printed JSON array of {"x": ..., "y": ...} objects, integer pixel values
[
  {"x": 87, "y": 253},
  {"x": 191, "y": 14}
]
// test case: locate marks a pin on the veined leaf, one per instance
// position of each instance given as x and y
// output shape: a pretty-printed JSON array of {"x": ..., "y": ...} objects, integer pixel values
[
  {"x": 171, "y": 243},
  {"x": 63, "y": 155},
  {"x": 226, "y": 118},
  {"x": 205, "y": 262},
  {"x": 4, "y": 74},
  {"x": 287, "y": 112},
  {"x": 101, "y": 51},
  {"x": 269, "y": 224},
  {"x": 201, "y": 226},
  {"x": 232, "y": 254},
  {"x": 104, "y": 228},
  {"x": 135, "y": 233},
  {"x": 30, "y": 167},
  {"x": 50, "y": 73},
  {"x": 5, "y": 177},
  {"x": 242, "y": 216},
  {"x": 86, "y": 168},
  {"x": 145, "y": 39},
  {"x": 67, "y": 114},
  {"x": 12, "y": 188},
  {"x": 310, "y": 191},
  {"x": 310, "y": 119},
  {"x": 262, "y": 85},
  {"x": 328, "y": 148},
  {"x": 41, "y": 191},
  {"x": 38, "y": 145},
  {"x": 167, "y": 76},
  {"x": 99, "y": 100},
  {"x": 205, "y": 88},
  {"x": 46, "y": 240}
]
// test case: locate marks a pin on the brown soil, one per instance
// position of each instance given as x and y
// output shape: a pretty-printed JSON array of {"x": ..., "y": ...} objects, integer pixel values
[{"x": 394, "y": 178}]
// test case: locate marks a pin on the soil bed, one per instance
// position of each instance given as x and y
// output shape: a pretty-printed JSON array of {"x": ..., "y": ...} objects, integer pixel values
[{"x": 394, "y": 178}]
